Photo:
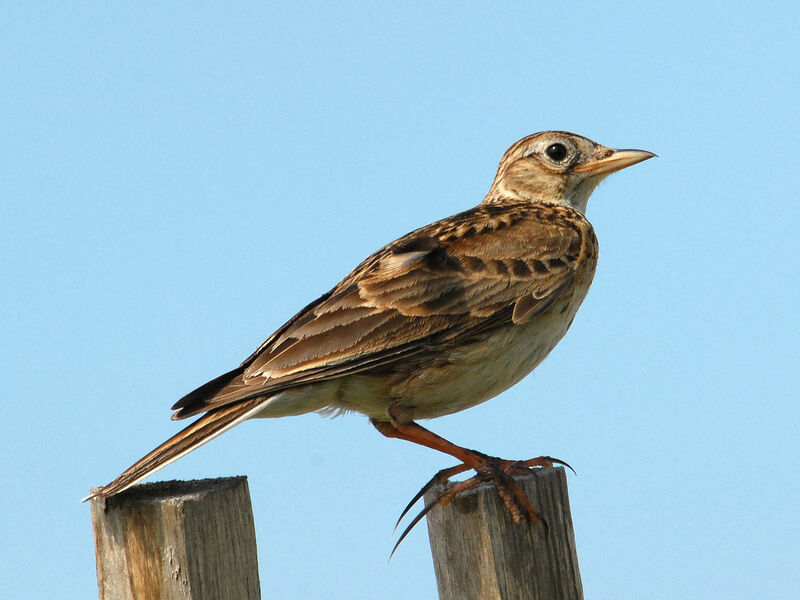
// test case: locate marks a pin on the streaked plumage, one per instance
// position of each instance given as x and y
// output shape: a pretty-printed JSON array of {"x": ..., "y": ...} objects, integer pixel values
[{"x": 437, "y": 321}]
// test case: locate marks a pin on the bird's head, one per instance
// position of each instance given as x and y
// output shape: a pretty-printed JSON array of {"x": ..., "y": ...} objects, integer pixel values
[{"x": 557, "y": 167}]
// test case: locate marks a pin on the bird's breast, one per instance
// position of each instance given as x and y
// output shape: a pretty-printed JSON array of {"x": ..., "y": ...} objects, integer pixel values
[
  {"x": 465, "y": 375},
  {"x": 481, "y": 370}
]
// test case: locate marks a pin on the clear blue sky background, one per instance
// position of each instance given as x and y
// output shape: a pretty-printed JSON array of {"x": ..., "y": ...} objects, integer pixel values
[{"x": 177, "y": 180}]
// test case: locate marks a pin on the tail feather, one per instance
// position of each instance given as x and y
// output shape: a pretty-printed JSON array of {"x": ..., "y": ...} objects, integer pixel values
[
  {"x": 198, "y": 401},
  {"x": 203, "y": 430}
]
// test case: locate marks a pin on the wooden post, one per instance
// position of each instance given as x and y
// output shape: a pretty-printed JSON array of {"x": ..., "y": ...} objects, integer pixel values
[
  {"x": 479, "y": 553},
  {"x": 177, "y": 540}
]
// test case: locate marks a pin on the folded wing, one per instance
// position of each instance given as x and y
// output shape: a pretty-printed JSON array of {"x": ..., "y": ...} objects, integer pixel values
[{"x": 437, "y": 286}]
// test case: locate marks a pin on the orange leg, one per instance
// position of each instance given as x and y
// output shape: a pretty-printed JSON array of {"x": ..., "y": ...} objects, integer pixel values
[
  {"x": 487, "y": 468},
  {"x": 412, "y": 432}
]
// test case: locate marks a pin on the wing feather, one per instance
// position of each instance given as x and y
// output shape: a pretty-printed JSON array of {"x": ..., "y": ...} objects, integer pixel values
[{"x": 449, "y": 281}]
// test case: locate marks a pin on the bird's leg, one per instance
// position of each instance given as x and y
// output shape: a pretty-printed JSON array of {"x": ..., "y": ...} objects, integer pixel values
[{"x": 487, "y": 468}]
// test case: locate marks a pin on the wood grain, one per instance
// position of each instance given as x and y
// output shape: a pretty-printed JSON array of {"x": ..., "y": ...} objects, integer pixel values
[
  {"x": 177, "y": 540},
  {"x": 480, "y": 553}
]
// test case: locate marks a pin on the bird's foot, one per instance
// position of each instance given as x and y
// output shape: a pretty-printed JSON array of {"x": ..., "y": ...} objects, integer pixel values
[{"x": 487, "y": 468}]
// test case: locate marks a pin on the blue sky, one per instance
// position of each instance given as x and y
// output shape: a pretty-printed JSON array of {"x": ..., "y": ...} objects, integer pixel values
[{"x": 178, "y": 179}]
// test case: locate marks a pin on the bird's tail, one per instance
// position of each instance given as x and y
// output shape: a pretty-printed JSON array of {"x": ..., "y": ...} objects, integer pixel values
[{"x": 203, "y": 430}]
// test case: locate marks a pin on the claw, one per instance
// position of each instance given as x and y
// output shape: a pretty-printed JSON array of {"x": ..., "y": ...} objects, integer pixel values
[
  {"x": 443, "y": 500},
  {"x": 547, "y": 461},
  {"x": 496, "y": 470},
  {"x": 440, "y": 477},
  {"x": 411, "y": 525}
]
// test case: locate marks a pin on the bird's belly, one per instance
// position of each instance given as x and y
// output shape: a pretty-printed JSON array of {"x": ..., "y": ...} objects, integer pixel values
[
  {"x": 460, "y": 378},
  {"x": 481, "y": 370},
  {"x": 468, "y": 375}
]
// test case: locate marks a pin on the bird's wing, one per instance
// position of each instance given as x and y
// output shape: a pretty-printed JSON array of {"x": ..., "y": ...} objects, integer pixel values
[{"x": 446, "y": 282}]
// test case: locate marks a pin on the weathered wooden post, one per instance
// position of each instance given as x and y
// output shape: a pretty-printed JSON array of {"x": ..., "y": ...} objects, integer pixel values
[
  {"x": 479, "y": 553},
  {"x": 177, "y": 540}
]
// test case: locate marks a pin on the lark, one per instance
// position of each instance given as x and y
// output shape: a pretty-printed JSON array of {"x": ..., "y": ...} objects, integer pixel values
[{"x": 440, "y": 320}]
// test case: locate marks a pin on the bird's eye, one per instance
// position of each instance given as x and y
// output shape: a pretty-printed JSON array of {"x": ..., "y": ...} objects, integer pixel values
[{"x": 556, "y": 152}]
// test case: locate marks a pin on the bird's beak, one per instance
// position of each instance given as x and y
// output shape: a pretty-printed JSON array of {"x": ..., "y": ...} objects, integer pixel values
[{"x": 617, "y": 161}]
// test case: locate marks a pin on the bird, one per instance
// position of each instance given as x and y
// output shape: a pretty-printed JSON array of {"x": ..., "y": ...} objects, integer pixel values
[{"x": 435, "y": 322}]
